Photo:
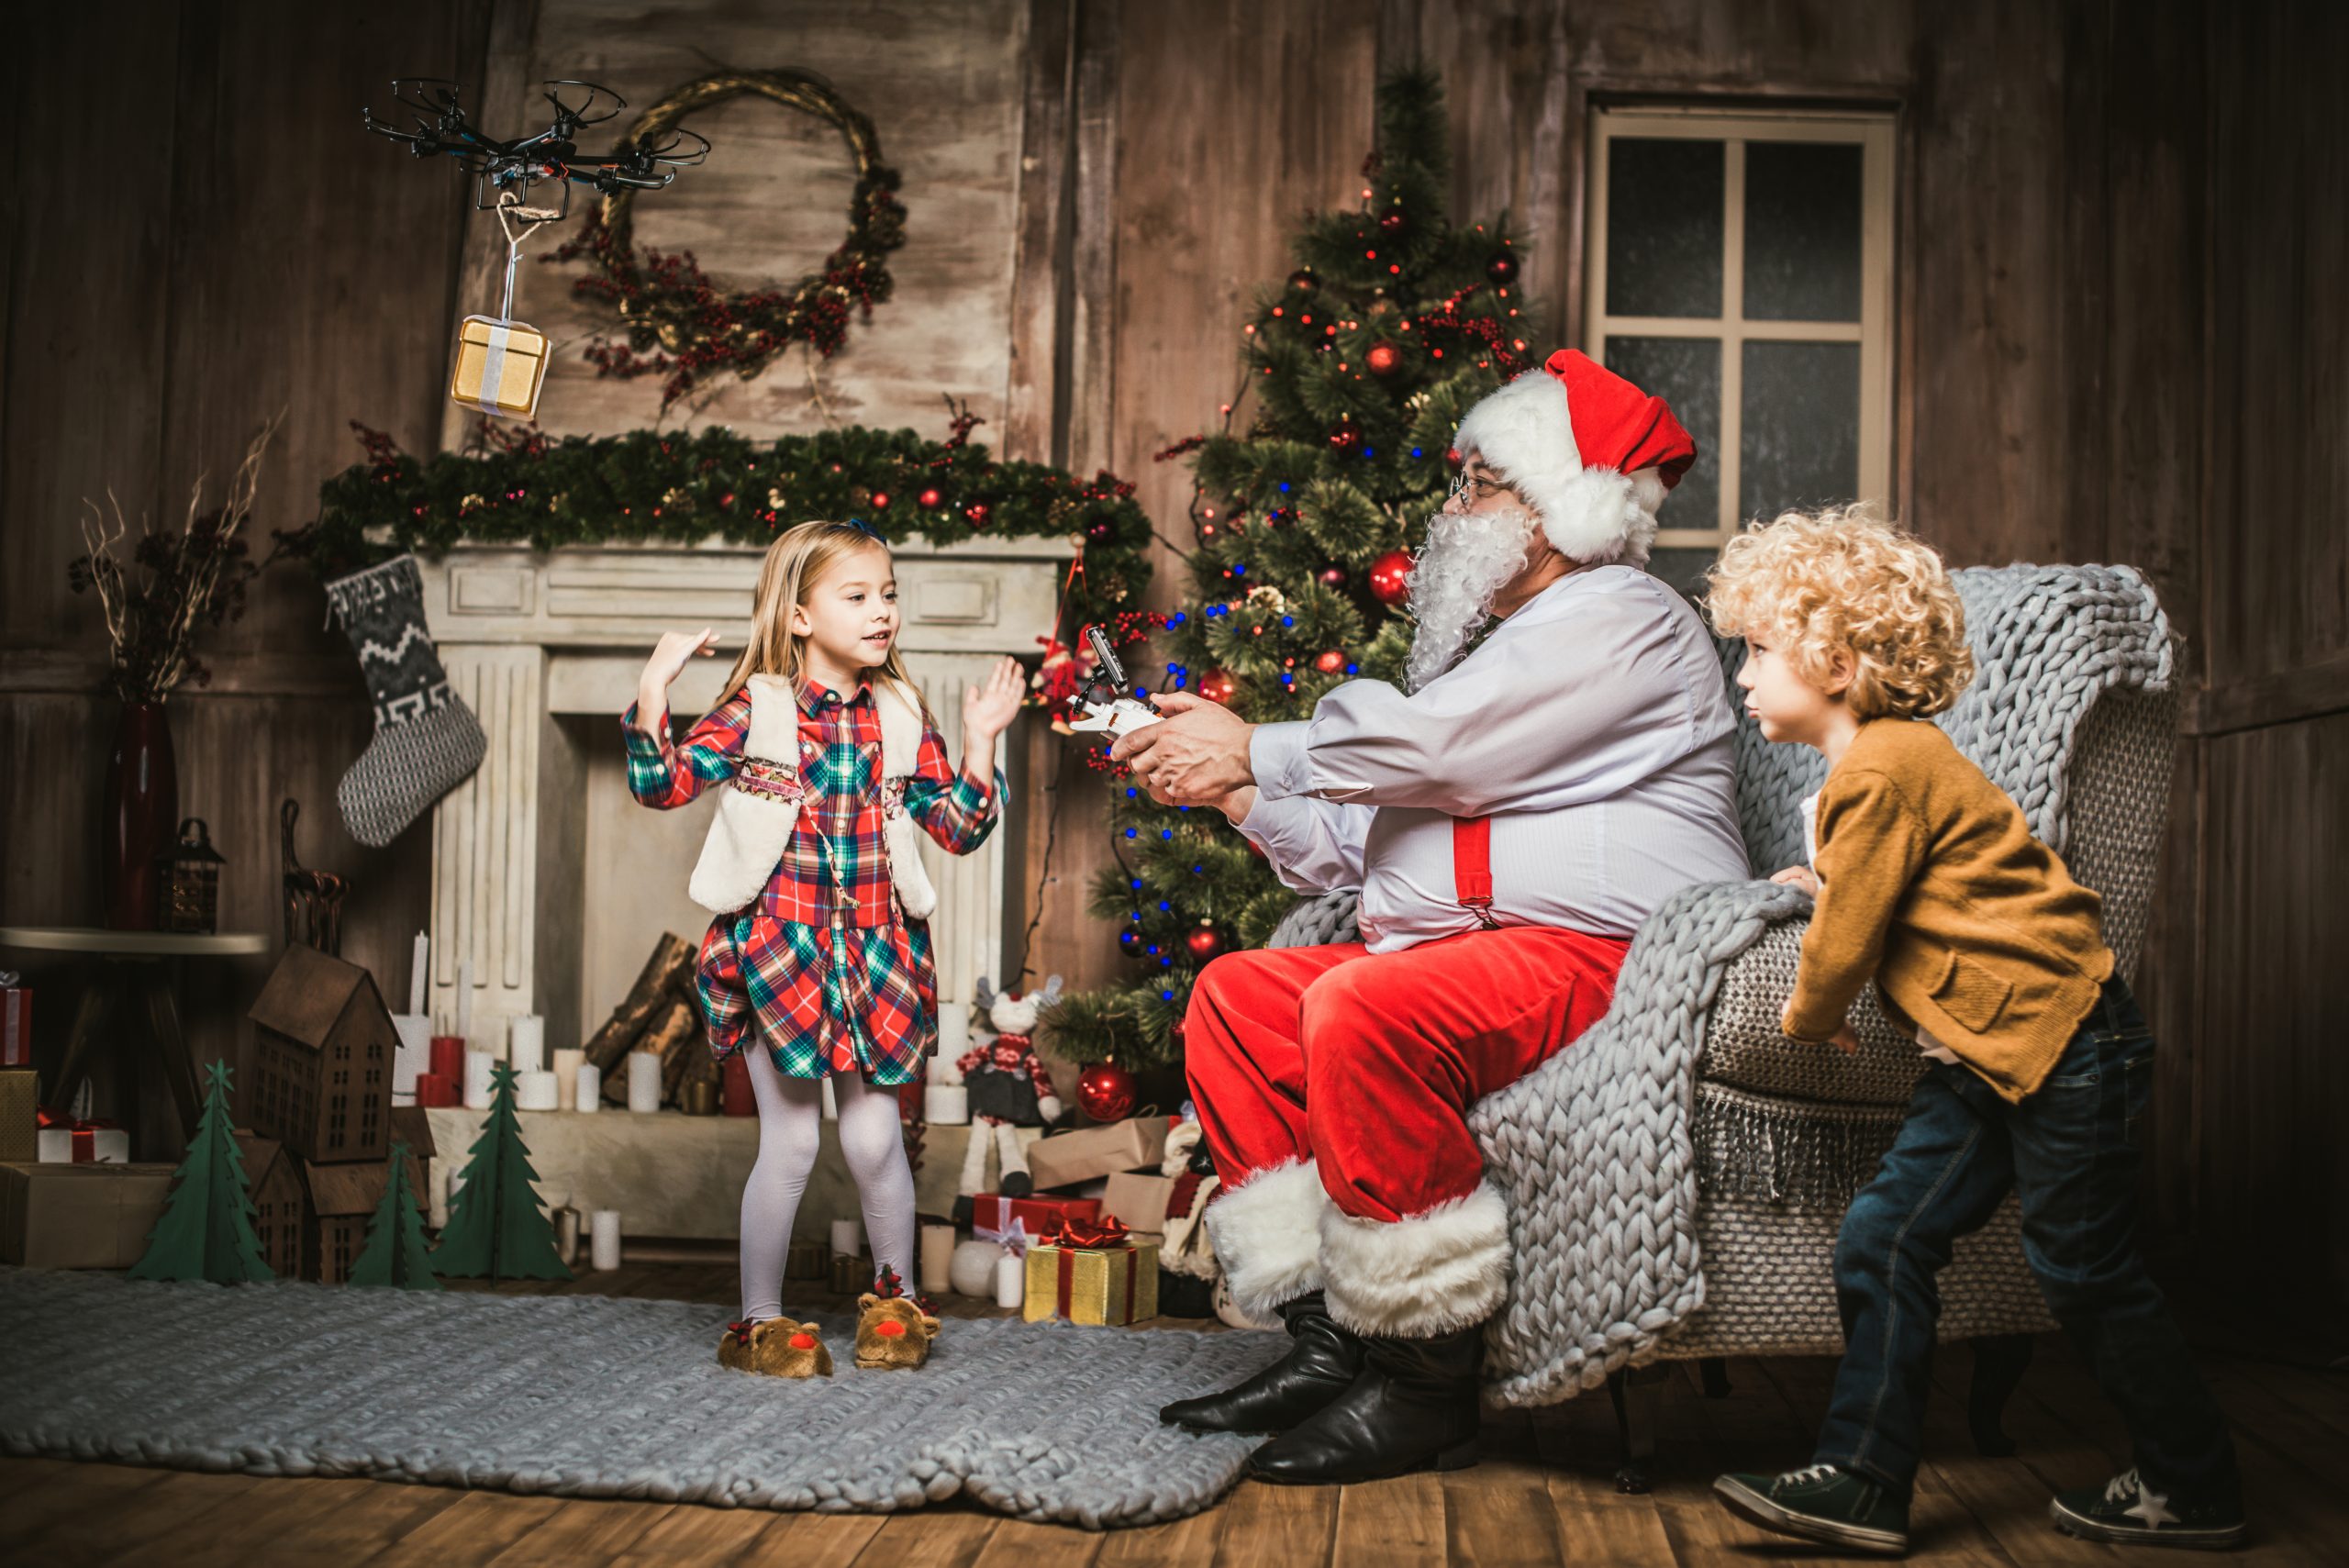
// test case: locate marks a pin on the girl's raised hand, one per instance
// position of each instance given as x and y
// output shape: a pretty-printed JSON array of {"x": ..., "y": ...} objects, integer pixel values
[
  {"x": 672, "y": 653},
  {"x": 988, "y": 708}
]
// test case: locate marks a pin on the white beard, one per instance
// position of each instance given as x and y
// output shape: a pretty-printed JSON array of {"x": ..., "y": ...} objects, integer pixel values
[{"x": 1467, "y": 560}]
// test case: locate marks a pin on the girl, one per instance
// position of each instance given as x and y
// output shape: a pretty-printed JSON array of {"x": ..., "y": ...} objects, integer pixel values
[{"x": 820, "y": 958}]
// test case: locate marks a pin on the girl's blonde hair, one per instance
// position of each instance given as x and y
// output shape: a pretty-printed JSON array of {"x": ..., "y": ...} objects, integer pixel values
[
  {"x": 799, "y": 559},
  {"x": 1810, "y": 583}
]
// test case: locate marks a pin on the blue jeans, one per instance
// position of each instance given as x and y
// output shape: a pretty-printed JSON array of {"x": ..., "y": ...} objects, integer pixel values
[{"x": 2070, "y": 1152}]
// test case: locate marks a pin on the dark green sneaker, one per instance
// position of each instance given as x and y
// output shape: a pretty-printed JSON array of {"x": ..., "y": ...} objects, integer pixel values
[
  {"x": 1821, "y": 1503},
  {"x": 2125, "y": 1509}
]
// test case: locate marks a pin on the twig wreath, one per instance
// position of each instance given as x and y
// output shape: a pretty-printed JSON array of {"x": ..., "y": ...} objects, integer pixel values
[{"x": 682, "y": 325}]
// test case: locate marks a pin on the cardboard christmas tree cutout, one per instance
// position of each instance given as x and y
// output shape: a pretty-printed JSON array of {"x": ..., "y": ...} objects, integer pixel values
[
  {"x": 206, "y": 1230},
  {"x": 496, "y": 1230},
  {"x": 395, "y": 1254}
]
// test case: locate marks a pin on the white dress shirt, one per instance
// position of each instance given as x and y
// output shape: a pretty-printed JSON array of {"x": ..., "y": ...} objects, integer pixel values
[{"x": 1593, "y": 726}]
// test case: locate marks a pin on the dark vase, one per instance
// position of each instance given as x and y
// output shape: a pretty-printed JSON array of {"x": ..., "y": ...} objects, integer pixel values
[{"x": 140, "y": 813}]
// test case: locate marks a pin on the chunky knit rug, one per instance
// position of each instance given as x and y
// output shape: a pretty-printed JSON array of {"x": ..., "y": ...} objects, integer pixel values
[
  {"x": 1594, "y": 1151},
  {"x": 600, "y": 1397}
]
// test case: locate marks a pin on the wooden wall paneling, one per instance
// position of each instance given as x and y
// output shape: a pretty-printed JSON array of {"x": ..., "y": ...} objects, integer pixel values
[
  {"x": 1035, "y": 420},
  {"x": 88, "y": 248},
  {"x": 2274, "y": 1082},
  {"x": 943, "y": 82},
  {"x": 503, "y": 92},
  {"x": 1088, "y": 322}
]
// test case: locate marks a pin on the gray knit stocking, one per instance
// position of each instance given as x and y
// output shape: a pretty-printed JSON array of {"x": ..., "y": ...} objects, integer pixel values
[{"x": 427, "y": 743}]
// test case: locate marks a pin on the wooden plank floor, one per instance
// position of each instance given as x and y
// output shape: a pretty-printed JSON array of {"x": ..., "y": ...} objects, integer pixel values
[{"x": 1544, "y": 1492}]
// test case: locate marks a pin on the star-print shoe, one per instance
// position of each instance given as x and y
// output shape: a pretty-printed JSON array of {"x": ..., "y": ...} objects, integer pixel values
[
  {"x": 1821, "y": 1503},
  {"x": 2125, "y": 1509}
]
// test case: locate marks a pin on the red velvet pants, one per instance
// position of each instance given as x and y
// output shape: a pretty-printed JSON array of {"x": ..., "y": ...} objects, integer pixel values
[{"x": 1367, "y": 1064}]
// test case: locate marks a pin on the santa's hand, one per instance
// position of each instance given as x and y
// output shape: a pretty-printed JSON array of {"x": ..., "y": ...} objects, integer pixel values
[{"x": 1196, "y": 754}]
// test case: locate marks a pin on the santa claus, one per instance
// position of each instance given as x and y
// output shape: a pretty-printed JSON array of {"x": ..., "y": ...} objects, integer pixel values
[{"x": 1511, "y": 819}]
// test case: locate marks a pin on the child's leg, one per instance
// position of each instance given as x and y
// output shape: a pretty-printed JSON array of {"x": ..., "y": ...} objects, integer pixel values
[
  {"x": 1945, "y": 1176},
  {"x": 2076, "y": 1166},
  {"x": 790, "y": 1123},
  {"x": 875, "y": 1147}
]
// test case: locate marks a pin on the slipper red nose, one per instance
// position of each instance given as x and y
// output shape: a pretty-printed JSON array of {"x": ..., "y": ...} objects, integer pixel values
[
  {"x": 892, "y": 1327},
  {"x": 803, "y": 1341}
]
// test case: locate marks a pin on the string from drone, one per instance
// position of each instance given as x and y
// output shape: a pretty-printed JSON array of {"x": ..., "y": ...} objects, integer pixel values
[{"x": 533, "y": 219}]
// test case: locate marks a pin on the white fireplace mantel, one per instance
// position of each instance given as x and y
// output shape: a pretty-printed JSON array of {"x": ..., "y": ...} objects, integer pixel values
[{"x": 530, "y": 636}]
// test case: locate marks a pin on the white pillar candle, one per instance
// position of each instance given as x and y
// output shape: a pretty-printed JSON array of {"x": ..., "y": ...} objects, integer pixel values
[
  {"x": 937, "y": 1259},
  {"x": 478, "y": 1087},
  {"x": 848, "y": 1238},
  {"x": 419, "y": 973},
  {"x": 567, "y": 1064},
  {"x": 946, "y": 1105},
  {"x": 604, "y": 1239},
  {"x": 566, "y": 1233},
  {"x": 1010, "y": 1280},
  {"x": 953, "y": 1033},
  {"x": 534, "y": 1091},
  {"x": 465, "y": 999},
  {"x": 413, "y": 1055},
  {"x": 526, "y": 1043},
  {"x": 643, "y": 1081},
  {"x": 588, "y": 1093}
]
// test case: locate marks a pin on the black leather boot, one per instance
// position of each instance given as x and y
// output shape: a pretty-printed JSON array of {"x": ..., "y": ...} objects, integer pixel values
[
  {"x": 1415, "y": 1406},
  {"x": 1322, "y": 1363}
]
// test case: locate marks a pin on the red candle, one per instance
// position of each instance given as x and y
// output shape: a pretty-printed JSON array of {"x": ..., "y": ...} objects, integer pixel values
[
  {"x": 436, "y": 1089},
  {"x": 449, "y": 1058}
]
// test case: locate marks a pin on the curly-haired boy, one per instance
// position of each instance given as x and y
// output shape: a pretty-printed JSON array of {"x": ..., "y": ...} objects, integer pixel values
[{"x": 1928, "y": 882}]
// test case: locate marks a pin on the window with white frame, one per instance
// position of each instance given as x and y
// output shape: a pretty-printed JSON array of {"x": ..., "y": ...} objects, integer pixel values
[{"x": 1741, "y": 268}]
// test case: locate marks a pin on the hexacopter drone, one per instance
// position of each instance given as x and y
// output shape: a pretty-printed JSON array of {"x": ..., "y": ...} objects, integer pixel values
[{"x": 552, "y": 155}]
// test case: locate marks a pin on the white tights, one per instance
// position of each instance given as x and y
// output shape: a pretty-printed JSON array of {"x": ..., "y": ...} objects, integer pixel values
[{"x": 790, "y": 1126}]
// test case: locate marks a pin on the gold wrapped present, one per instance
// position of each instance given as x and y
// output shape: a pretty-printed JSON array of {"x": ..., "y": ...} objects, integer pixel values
[
  {"x": 1092, "y": 1272},
  {"x": 500, "y": 366}
]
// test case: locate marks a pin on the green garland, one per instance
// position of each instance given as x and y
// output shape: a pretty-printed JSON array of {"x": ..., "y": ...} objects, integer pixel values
[{"x": 685, "y": 489}]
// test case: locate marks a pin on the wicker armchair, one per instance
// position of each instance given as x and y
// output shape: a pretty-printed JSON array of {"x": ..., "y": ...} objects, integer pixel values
[{"x": 1783, "y": 1135}]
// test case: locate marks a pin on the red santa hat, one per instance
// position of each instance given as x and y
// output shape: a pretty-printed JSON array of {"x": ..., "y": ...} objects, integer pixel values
[{"x": 1571, "y": 437}]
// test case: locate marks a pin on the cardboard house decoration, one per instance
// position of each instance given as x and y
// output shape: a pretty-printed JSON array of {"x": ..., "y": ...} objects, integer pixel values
[
  {"x": 342, "y": 1200},
  {"x": 323, "y": 1045},
  {"x": 279, "y": 1202},
  {"x": 412, "y": 1125}
]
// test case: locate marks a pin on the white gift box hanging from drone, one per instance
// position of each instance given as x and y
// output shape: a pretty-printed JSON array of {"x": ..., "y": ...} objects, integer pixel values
[{"x": 501, "y": 363}]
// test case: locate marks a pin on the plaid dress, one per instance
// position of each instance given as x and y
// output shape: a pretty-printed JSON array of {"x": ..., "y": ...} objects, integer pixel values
[{"x": 823, "y": 965}]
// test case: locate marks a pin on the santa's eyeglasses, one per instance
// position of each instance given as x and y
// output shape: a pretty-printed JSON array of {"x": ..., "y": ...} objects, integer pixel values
[{"x": 1476, "y": 487}]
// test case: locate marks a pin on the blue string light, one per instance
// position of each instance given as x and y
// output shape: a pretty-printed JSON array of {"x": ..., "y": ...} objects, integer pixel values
[{"x": 1288, "y": 621}]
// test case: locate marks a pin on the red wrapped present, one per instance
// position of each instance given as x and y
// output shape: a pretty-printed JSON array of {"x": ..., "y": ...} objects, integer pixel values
[
  {"x": 994, "y": 1217},
  {"x": 16, "y": 1021},
  {"x": 1091, "y": 1272},
  {"x": 62, "y": 1140}
]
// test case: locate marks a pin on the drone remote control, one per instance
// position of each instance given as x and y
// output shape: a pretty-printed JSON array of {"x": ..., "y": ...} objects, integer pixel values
[{"x": 1107, "y": 703}]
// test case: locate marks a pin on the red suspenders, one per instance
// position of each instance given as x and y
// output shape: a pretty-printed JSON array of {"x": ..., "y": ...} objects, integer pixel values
[{"x": 1472, "y": 866}]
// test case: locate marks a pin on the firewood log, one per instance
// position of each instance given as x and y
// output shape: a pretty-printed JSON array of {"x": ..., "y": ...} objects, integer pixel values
[
  {"x": 665, "y": 974},
  {"x": 672, "y": 1023}
]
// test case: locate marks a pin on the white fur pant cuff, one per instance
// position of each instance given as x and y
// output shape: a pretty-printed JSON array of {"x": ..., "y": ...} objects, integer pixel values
[
  {"x": 1421, "y": 1275},
  {"x": 1267, "y": 1234}
]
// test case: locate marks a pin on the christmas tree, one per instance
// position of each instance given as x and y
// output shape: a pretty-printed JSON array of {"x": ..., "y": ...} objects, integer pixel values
[
  {"x": 496, "y": 1230},
  {"x": 1307, "y": 506},
  {"x": 394, "y": 1253},
  {"x": 206, "y": 1230}
]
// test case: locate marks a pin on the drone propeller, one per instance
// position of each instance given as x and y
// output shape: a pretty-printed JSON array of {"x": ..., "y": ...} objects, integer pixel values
[
  {"x": 569, "y": 116},
  {"x": 668, "y": 151}
]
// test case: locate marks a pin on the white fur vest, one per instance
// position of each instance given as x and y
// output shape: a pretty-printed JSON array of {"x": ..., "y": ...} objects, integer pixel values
[{"x": 759, "y": 805}]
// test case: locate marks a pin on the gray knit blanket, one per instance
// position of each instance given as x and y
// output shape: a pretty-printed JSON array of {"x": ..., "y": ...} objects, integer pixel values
[{"x": 1592, "y": 1152}]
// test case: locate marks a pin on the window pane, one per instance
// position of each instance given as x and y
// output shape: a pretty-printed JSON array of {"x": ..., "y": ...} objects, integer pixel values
[
  {"x": 1802, "y": 231},
  {"x": 1664, "y": 228},
  {"x": 1798, "y": 441},
  {"x": 1686, "y": 374}
]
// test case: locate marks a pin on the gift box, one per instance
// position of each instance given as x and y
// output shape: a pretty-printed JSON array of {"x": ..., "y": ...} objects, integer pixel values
[
  {"x": 1094, "y": 1272},
  {"x": 994, "y": 1215},
  {"x": 61, "y": 1140},
  {"x": 1140, "y": 1199},
  {"x": 1067, "y": 1158},
  {"x": 500, "y": 367},
  {"x": 15, "y": 1022},
  {"x": 62, "y": 1216},
  {"x": 19, "y": 1114}
]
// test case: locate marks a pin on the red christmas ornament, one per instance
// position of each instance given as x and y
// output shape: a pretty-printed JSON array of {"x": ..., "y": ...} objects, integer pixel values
[
  {"x": 1389, "y": 577},
  {"x": 1452, "y": 457},
  {"x": 930, "y": 497},
  {"x": 978, "y": 511},
  {"x": 1218, "y": 687},
  {"x": 1330, "y": 663},
  {"x": 880, "y": 500},
  {"x": 1101, "y": 530},
  {"x": 1345, "y": 436},
  {"x": 1502, "y": 269},
  {"x": 1392, "y": 221},
  {"x": 1382, "y": 358},
  {"x": 1105, "y": 1092},
  {"x": 1333, "y": 576},
  {"x": 1205, "y": 943}
]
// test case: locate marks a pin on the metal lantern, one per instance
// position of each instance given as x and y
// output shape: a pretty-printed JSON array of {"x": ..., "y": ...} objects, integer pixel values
[{"x": 188, "y": 883}]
